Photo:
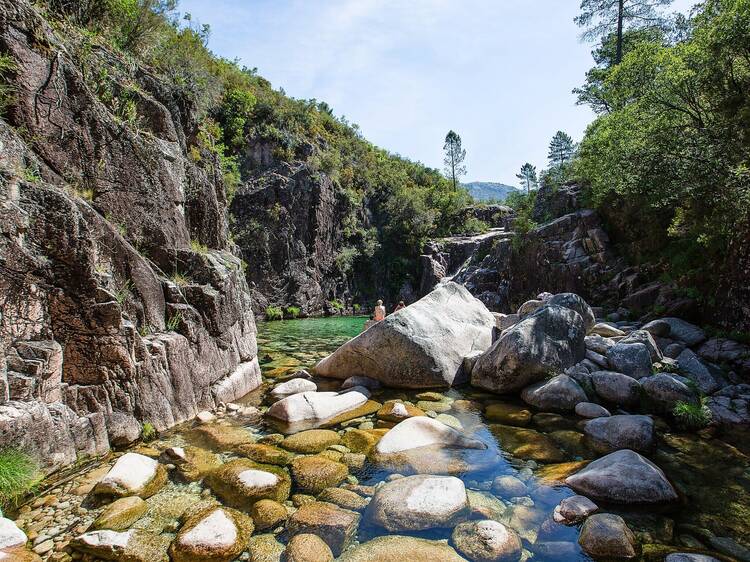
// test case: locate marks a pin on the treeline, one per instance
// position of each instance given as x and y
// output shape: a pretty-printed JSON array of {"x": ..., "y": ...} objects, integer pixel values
[{"x": 407, "y": 202}]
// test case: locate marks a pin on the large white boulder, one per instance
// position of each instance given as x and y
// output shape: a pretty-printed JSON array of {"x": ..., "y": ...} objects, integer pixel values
[
  {"x": 10, "y": 534},
  {"x": 548, "y": 341},
  {"x": 294, "y": 386},
  {"x": 416, "y": 503},
  {"x": 421, "y": 431},
  {"x": 132, "y": 475},
  {"x": 316, "y": 406},
  {"x": 422, "y": 346}
]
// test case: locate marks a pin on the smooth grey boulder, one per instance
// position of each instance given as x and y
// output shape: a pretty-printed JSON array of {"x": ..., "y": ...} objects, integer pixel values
[
  {"x": 606, "y": 535},
  {"x": 695, "y": 369},
  {"x": 623, "y": 477},
  {"x": 665, "y": 390},
  {"x": 549, "y": 341},
  {"x": 676, "y": 329},
  {"x": 575, "y": 302},
  {"x": 573, "y": 510},
  {"x": 423, "y": 346},
  {"x": 644, "y": 337},
  {"x": 599, "y": 344},
  {"x": 606, "y": 330},
  {"x": 559, "y": 394},
  {"x": 529, "y": 307},
  {"x": 417, "y": 503},
  {"x": 605, "y": 435},
  {"x": 632, "y": 359},
  {"x": 616, "y": 388},
  {"x": 487, "y": 541},
  {"x": 591, "y": 410}
]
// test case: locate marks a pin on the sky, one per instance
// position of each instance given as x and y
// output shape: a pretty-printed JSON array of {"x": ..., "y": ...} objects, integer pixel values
[{"x": 498, "y": 72}]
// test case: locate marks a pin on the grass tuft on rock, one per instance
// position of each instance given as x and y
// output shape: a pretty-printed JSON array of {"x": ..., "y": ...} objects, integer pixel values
[
  {"x": 19, "y": 474},
  {"x": 692, "y": 416}
]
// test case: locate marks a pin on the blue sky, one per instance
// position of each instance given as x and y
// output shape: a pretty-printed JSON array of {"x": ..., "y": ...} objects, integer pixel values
[{"x": 498, "y": 72}]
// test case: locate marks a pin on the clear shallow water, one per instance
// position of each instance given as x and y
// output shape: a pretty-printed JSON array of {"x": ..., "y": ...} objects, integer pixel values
[{"x": 711, "y": 475}]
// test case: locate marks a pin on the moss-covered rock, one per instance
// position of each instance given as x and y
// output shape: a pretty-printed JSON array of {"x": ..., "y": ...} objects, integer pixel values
[
  {"x": 311, "y": 441},
  {"x": 508, "y": 414},
  {"x": 314, "y": 474},
  {"x": 396, "y": 411},
  {"x": 268, "y": 514},
  {"x": 121, "y": 514},
  {"x": 336, "y": 526},
  {"x": 240, "y": 483},
  {"x": 398, "y": 549},
  {"x": 308, "y": 548},
  {"x": 343, "y": 498},
  {"x": 265, "y": 548},
  {"x": 132, "y": 475},
  {"x": 528, "y": 444},
  {"x": 220, "y": 437},
  {"x": 265, "y": 454},
  {"x": 192, "y": 463},
  {"x": 361, "y": 440}
]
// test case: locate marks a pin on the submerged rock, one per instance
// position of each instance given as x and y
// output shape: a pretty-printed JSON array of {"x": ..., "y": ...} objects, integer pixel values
[
  {"x": 608, "y": 434},
  {"x": 314, "y": 474},
  {"x": 216, "y": 533},
  {"x": 121, "y": 514},
  {"x": 607, "y": 536},
  {"x": 550, "y": 340},
  {"x": 528, "y": 444},
  {"x": 240, "y": 483},
  {"x": 132, "y": 545},
  {"x": 487, "y": 541},
  {"x": 311, "y": 441},
  {"x": 421, "y": 347},
  {"x": 394, "y": 411},
  {"x": 132, "y": 475},
  {"x": 307, "y": 548},
  {"x": 335, "y": 526},
  {"x": 508, "y": 414},
  {"x": 395, "y": 548},
  {"x": 268, "y": 514},
  {"x": 559, "y": 394},
  {"x": 420, "y": 502},
  {"x": 623, "y": 477},
  {"x": 192, "y": 463},
  {"x": 574, "y": 509}
]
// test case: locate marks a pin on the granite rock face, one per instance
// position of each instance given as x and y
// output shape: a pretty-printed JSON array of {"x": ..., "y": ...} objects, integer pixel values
[{"x": 96, "y": 337}]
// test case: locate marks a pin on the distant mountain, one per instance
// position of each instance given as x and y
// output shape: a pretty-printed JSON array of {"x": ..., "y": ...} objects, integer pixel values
[{"x": 487, "y": 190}]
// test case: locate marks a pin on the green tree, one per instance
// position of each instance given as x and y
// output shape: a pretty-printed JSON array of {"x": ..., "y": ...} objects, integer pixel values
[
  {"x": 454, "y": 158},
  {"x": 561, "y": 149},
  {"x": 602, "y": 18},
  {"x": 528, "y": 177}
]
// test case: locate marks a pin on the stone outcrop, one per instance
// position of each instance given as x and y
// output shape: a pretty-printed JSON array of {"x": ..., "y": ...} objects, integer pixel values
[
  {"x": 421, "y": 346},
  {"x": 123, "y": 301}
]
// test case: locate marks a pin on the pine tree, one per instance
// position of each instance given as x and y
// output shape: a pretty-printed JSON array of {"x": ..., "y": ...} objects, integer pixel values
[
  {"x": 604, "y": 17},
  {"x": 561, "y": 149},
  {"x": 454, "y": 158},
  {"x": 528, "y": 177}
]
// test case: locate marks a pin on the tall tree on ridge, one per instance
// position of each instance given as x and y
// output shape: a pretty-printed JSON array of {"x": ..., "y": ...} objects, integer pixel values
[
  {"x": 561, "y": 149},
  {"x": 528, "y": 177},
  {"x": 602, "y": 17},
  {"x": 454, "y": 158}
]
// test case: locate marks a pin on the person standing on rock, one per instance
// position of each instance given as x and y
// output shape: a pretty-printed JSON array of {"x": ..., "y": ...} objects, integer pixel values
[
  {"x": 379, "y": 311},
  {"x": 399, "y": 306}
]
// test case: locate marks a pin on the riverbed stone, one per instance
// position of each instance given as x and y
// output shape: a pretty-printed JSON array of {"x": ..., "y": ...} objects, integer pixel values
[
  {"x": 307, "y": 547},
  {"x": 396, "y": 548},
  {"x": 617, "y": 388},
  {"x": 395, "y": 411},
  {"x": 574, "y": 509},
  {"x": 316, "y": 406},
  {"x": 527, "y": 444},
  {"x": 487, "y": 541},
  {"x": 221, "y": 437},
  {"x": 314, "y": 474},
  {"x": 361, "y": 440},
  {"x": 343, "y": 498},
  {"x": 293, "y": 386},
  {"x": 420, "y": 502},
  {"x": 191, "y": 463},
  {"x": 311, "y": 441},
  {"x": 607, "y": 535},
  {"x": 623, "y": 477},
  {"x": 676, "y": 329},
  {"x": 421, "y": 347},
  {"x": 576, "y": 303},
  {"x": 559, "y": 394},
  {"x": 483, "y": 505},
  {"x": 121, "y": 514},
  {"x": 509, "y": 486},
  {"x": 132, "y": 475},
  {"x": 606, "y": 330},
  {"x": 216, "y": 533},
  {"x": 367, "y": 382},
  {"x": 132, "y": 545},
  {"x": 507, "y": 414},
  {"x": 420, "y": 432},
  {"x": 265, "y": 548},
  {"x": 608, "y": 434},
  {"x": 10, "y": 535},
  {"x": 644, "y": 337},
  {"x": 549, "y": 340},
  {"x": 265, "y": 454},
  {"x": 689, "y": 557},
  {"x": 268, "y": 514},
  {"x": 692, "y": 367},
  {"x": 337, "y": 527},
  {"x": 665, "y": 390},
  {"x": 241, "y": 482},
  {"x": 631, "y": 359},
  {"x": 590, "y": 410}
]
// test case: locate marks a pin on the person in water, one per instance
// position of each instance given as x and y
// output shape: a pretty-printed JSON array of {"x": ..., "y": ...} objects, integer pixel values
[
  {"x": 379, "y": 312},
  {"x": 399, "y": 306}
]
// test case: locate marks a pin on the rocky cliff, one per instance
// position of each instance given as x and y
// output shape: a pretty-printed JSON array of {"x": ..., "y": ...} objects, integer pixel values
[{"x": 123, "y": 301}]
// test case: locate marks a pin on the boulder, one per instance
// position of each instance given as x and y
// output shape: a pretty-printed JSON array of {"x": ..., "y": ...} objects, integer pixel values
[
  {"x": 335, "y": 526},
  {"x": 665, "y": 390},
  {"x": 191, "y": 463},
  {"x": 395, "y": 548},
  {"x": 294, "y": 386},
  {"x": 527, "y": 444},
  {"x": 598, "y": 344},
  {"x": 10, "y": 535},
  {"x": 416, "y": 503},
  {"x": 644, "y": 337},
  {"x": 214, "y": 533},
  {"x": 268, "y": 514},
  {"x": 487, "y": 541},
  {"x": 623, "y": 477},
  {"x": 265, "y": 454},
  {"x": 311, "y": 441},
  {"x": 606, "y": 330},
  {"x": 133, "y": 545},
  {"x": 606, "y": 535},
  {"x": 605, "y": 435},
  {"x": 529, "y": 307},
  {"x": 121, "y": 514},
  {"x": 573, "y": 510},
  {"x": 616, "y": 388},
  {"x": 421, "y": 347},
  {"x": 676, "y": 329},
  {"x": 504, "y": 321},
  {"x": 590, "y": 410},
  {"x": 559, "y": 394},
  {"x": 550, "y": 340},
  {"x": 366, "y": 382},
  {"x": 240, "y": 483},
  {"x": 694, "y": 368},
  {"x": 508, "y": 414},
  {"x": 394, "y": 411},
  {"x": 316, "y": 406},
  {"x": 132, "y": 475},
  {"x": 632, "y": 359},
  {"x": 509, "y": 487},
  {"x": 574, "y": 302},
  {"x": 307, "y": 547},
  {"x": 343, "y": 498},
  {"x": 314, "y": 474}
]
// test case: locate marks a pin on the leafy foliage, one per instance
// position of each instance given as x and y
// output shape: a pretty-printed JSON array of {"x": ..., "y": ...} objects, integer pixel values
[
  {"x": 274, "y": 313},
  {"x": 148, "y": 432}
]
